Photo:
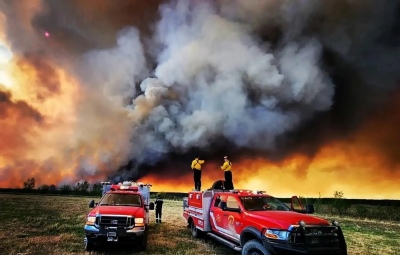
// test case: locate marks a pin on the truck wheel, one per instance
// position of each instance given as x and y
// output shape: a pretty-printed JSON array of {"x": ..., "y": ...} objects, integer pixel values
[
  {"x": 254, "y": 247},
  {"x": 195, "y": 231},
  {"x": 89, "y": 245}
]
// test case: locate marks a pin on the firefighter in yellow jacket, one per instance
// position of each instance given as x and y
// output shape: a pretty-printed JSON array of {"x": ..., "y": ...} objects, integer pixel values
[
  {"x": 227, "y": 166},
  {"x": 196, "y": 166}
]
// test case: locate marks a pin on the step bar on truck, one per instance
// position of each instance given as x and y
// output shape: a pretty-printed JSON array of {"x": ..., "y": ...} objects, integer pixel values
[{"x": 226, "y": 242}]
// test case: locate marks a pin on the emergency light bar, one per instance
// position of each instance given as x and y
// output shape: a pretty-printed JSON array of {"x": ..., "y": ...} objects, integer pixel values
[
  {"x": 247, "y": 191},
  {"x": 129, "y": 185}
]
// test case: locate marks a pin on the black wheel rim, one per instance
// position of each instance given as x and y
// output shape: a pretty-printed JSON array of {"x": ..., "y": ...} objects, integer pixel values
[{"x": 254, "y": 252}]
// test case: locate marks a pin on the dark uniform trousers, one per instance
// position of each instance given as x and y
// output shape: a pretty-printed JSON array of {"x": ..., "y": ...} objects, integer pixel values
[
  {"x": 197, "y": 179},
  {"x": 228, "y": 180},
  {"x": 159, "y": 203}
]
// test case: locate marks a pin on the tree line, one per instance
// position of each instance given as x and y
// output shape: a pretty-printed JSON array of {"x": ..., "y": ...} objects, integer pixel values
[{"x": 80, "y": 188}]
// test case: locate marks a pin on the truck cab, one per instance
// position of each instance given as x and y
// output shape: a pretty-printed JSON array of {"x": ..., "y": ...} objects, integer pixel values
[
  {"x": 122, "y": 214},
  {"x": 253, "y": 222}
]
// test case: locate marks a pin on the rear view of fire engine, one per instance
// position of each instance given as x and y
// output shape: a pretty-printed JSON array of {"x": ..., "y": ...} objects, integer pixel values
[
  {"x": 122, "y": 214},
  {"x": 252, "y": 222}
]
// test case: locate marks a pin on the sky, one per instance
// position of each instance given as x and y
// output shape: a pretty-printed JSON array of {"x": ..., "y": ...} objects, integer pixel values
[{"x": 303, "y": 93}]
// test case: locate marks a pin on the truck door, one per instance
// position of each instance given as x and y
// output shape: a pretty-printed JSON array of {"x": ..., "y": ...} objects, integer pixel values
[
  {"x": 233, "y": 222},
  {"x": 216, "y": 214}
]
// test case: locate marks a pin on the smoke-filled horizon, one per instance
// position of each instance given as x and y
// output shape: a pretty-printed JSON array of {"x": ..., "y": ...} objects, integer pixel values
[{"x": 94, "y": 90}]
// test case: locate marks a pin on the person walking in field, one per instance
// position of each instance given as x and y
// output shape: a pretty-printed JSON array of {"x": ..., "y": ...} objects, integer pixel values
[
  {"x": 196, "y": 166},
  {"x": 227, "y": 167},
  {"x": 159, "y": 203}
]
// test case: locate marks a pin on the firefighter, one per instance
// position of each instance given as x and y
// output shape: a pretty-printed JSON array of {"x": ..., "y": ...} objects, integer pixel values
[
  {"x": 159, "y": 203},
  {"x": 196, "y": 166},
  {"x": 227, "y": 167}
]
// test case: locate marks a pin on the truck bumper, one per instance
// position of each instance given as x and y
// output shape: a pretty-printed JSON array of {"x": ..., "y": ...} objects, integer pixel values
[
  {"x": 283, "y": 248},
  {"x": 113, "y": 234},
  {"x": 327, "y": 241}
]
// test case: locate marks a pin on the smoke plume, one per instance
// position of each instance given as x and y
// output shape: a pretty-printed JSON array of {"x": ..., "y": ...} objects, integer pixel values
[{"x": 97, "y": 90}]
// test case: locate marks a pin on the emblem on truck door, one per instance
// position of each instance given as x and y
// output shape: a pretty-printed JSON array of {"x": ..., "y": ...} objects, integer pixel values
[{"x": 231, "y": 224}]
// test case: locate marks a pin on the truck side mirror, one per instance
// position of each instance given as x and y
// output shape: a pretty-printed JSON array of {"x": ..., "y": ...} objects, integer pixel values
[
  {"x": 91, "y": 204},
  {"x": 151, "y": 206},
  {"x": 310, "y": 209}
]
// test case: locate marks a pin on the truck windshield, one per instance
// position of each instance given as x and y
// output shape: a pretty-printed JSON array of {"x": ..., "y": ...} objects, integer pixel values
[
  {"x": 121, "y": 199},
  {"x": 262, "y": 203}
]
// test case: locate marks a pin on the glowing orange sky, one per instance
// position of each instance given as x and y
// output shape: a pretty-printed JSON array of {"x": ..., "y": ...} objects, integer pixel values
[
  {"x": 49, "y": 125},
  {"x": 337, "y": 167}
]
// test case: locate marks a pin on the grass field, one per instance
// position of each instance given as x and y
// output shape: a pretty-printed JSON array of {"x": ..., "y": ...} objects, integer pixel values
[{"x": 35, "y": 225}]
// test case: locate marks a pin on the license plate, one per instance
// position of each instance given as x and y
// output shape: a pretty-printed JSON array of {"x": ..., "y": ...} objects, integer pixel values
[{"x": 112, "y": 234}]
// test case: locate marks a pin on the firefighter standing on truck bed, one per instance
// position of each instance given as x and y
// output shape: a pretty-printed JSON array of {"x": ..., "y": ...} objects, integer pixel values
[
  {"x": 227, "y": 166},
  {"x": 159, "y": 202},
  {"x": 196, "y": 166}
]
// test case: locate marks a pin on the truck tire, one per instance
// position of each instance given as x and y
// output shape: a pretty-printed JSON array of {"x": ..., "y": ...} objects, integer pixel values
[
  {"x": 254, "y": 247},
  {"x": 195, "y": 231},
  {"x": 89, "y": 244}
]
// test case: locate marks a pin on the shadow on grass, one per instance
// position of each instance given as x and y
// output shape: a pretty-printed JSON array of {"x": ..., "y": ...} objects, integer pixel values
[{"x": 109, "y": 248}]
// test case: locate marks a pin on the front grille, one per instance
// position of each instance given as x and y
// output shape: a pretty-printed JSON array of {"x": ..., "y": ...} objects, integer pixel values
[
  {"x": 316, "y": 236},
  {"x": 115, "y": 221}
]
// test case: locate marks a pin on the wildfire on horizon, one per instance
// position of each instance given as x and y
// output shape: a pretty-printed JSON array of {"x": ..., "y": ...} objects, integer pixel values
[
  {"x": 340, "y": 166},
  {"x": 73, "y": 107}
]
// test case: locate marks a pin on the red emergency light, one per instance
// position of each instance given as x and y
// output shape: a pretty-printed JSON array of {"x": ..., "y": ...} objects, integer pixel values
[
  {"x": 248, "y": 191},
  {"x": 129, "y": 186}
]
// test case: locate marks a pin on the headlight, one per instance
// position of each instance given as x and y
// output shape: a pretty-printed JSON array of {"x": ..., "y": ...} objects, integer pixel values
[
  {"x": 277, "y": 234},
  {"x": 90, "y": 220},
  {"x": 139, "y": 220}
]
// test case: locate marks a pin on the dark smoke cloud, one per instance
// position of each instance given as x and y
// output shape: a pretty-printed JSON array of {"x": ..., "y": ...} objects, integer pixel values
[
  {"x": 75, "y": 25},
  {"x": 218, "y": 76}
]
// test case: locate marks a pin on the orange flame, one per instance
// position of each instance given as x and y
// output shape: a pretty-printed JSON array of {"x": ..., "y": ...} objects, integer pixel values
[{"x": 339, "y": 166}]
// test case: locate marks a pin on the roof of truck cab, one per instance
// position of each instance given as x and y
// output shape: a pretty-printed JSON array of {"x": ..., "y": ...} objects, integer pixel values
[
  {"x": 123, "y": 192},
  {"x": 240, "y": 194}
]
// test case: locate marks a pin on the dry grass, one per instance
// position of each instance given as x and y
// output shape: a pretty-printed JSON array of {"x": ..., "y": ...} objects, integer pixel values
[
  {"x": 367, "y": 237},
  {"x": 35, "y": 225}
]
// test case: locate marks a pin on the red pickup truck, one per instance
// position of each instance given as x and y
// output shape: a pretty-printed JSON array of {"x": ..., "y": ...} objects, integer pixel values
[
  {"x": 252, "y": 222},
  {"x": 122, "y": 214}
]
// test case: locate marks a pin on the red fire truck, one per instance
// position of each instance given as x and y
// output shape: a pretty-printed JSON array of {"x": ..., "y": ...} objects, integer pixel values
[
  {"x": 252, "y": 222},
  {"x": 122, "y": 214}
]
